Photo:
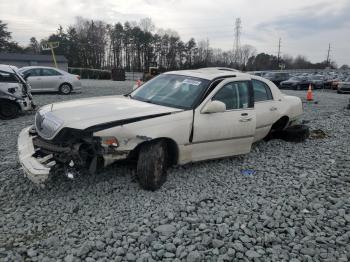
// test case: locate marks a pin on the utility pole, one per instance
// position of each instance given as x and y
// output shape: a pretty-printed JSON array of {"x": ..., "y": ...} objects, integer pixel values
[
  {"x": 236, "y": 47},
  {"x": 328, "y": 55},
  {"x": 279, "y": 52}
]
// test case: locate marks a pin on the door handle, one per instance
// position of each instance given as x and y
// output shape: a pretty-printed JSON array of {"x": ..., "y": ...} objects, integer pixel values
[
  {"x": 244, "y": 114},
  {"x": 245, "y": 119},
  {"x": 273, "y": 108}
]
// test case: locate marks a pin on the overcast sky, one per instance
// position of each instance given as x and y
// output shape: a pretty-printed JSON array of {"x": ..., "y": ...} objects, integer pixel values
[{"x": 306, "y": 27}]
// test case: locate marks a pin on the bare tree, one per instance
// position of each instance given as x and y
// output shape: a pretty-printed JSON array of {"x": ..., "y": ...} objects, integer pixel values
[{"x": 147, "y": 25}]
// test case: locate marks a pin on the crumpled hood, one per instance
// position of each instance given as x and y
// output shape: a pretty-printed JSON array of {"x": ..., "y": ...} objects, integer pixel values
[{"x": 84, "y": 113}]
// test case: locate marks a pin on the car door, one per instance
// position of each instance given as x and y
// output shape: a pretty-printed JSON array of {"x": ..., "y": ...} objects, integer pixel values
[
  {"x": 267, "y": 109},
  {"x": 225, "y": 133},
  {"x": 35, "y": 79},
  {"x": 51, "y": 79}
]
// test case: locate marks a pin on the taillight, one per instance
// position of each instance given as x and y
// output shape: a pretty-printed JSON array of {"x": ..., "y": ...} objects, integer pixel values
[{"x": 78, "y": 77}]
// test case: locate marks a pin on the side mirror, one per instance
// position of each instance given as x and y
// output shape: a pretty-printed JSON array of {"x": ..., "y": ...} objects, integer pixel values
[{"x": 214, "y": 107}]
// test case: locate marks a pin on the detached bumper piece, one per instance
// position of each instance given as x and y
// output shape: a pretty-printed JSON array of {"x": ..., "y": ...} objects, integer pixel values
[{"x": 35, "y": 168}]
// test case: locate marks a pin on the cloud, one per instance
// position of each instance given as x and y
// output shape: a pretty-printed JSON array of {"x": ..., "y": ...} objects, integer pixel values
[
  {"x": 310, "y": 20},
  {"x": 306, "y": 27}
]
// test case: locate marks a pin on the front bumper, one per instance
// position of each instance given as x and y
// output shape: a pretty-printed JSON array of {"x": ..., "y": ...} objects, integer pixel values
[
  {"x": 33, "y": 167},
  {"x": 26, "y": 104}
]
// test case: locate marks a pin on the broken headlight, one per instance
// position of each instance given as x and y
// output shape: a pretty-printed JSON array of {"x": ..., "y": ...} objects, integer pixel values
[{"x": 47, "y": 124}]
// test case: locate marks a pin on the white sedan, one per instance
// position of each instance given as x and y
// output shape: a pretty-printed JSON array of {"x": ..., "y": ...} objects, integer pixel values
[
  {"x": 175, "y": 118},
  {"x": 50, "y": 79}
]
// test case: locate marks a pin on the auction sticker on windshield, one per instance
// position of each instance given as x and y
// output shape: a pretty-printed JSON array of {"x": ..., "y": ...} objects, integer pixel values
[{"x": 191, "y": 82}]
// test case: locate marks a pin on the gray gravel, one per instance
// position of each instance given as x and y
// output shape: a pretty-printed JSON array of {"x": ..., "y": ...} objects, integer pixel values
[{"x": 296, "y": 207}]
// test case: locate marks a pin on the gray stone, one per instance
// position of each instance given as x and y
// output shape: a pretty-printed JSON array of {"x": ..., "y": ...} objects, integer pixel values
[
  {"x": 130, "y": 257},
  {"x": 217, "y": 243},
  {"x": 238, "y": 246},
  {"x": 170, "y": 247},
  {"x": 84, "y": 249},
  {"x": 32, "y": 253},
  {"x": 168, "y": 255},
  {"x": 100, "y": 245},
  {"x": 165, "y": 229},
  {"x": 69, "y": 258},
  {"x": 120, "y": 251},
  {"x": 194, "y": 256},
  {"x": 252, "y": 254},
  {"x": 307, "y": 251}
]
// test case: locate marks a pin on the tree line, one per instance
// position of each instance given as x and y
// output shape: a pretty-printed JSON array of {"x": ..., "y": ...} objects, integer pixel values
[{"x": 136, "y": 46}]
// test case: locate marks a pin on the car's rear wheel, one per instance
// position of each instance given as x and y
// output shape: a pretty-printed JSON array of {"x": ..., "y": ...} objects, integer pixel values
[
  {"x": 65, "y": 89},
  {"x": 152, "y": 165},
  {"x": 8, "y": 110}
]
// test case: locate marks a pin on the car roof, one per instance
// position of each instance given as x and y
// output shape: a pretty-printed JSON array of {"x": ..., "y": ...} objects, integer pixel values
[
  {"x": 8, "y": 68},
  {"x": 33, "y": 67},
  {"x": 210, "y": 73}
]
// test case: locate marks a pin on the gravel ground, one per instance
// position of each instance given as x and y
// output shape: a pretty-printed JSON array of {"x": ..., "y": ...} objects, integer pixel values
[{"x": 296, "y": 207}]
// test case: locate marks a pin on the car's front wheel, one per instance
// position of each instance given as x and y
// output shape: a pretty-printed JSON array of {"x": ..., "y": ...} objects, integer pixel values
[
  {"x": 8, "y": 110},
  {"x": 65, "y": 89},
  {"x": 152, "y": 165}
]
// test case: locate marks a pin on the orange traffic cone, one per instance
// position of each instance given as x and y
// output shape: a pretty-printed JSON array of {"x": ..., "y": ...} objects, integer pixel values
[
  {"x": 138, "y": 83},
  {"x": 309, "y": 96}
]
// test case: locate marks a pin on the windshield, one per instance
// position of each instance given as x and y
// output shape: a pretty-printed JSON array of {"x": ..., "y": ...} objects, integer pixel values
[{"x": 171, "y": 90}]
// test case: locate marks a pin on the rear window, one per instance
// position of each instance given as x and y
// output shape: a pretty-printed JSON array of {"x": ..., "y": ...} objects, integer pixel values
[{"x": 262, "y": 91}]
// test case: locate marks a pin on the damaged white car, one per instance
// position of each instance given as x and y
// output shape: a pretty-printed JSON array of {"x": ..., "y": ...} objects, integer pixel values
[{"x": 175, "y": 118}]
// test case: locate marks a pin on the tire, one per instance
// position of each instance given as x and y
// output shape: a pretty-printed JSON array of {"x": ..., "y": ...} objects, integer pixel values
[
  {"x": 152, "y": 165},
  {"x": 65, "y": 89},
  {"x": 296, "y": 133},
  {"x": 8, "y": 110}
]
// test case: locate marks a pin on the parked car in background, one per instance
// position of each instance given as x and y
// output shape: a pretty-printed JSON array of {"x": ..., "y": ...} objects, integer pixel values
[
  {"x": 344, "y": 86},
  {"x": 331, "y": 82},
  {"x": 317, "y": 81},
  {"x": 50, "y": 79},
  {"x": 258, "y": 73},
  {"x": 277, "y": 77},
  {"x": 15, "y": 96},
  {"x": 296, "y": 83},
  {"x": 175, "y": 118}
]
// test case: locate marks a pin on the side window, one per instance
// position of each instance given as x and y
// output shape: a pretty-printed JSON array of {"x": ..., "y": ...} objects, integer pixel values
[
  {"x": 261, "y": 91},
  {"x": 234, "y": 95},
  {"x": 7, "y": 77},
  {"x": 33, "y": 72},
  {"x": 228, "y": 95},
  {"x": 50, "y": 72}
]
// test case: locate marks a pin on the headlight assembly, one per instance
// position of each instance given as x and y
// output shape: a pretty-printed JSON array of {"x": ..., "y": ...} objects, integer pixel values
[{"x": 47, "y": 124}]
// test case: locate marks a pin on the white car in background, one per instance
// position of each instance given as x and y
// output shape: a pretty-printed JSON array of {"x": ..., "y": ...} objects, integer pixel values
[
  {"x": 176, "y": 118},
  {"x": 50, "y": 79}
]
